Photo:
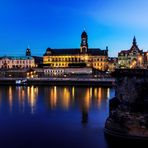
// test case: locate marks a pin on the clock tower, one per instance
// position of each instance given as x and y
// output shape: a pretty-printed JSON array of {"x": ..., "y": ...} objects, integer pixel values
[{"x": 84, "y": 43}]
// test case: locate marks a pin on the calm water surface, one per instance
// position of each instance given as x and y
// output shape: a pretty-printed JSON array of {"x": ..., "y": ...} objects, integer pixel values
[{"x": 53, "y": 117}]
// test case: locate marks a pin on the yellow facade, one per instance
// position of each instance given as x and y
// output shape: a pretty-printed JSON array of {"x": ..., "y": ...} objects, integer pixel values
[{"x": 60, "y": 61}]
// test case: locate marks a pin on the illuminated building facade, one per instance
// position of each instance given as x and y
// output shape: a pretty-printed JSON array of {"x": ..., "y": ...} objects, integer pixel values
[
  {"x": 67, "y": 71},
  {"x": 145, "y": 63},
  {"x": 9, "y": 62},
  {"x": 112, "y": 64},
  {"x": 132, "y": 58},
  {"x": 78, "y": 57}
]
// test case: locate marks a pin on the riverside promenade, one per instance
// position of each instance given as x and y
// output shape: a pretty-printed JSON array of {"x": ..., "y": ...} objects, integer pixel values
[{"x": 106, "y": 82}]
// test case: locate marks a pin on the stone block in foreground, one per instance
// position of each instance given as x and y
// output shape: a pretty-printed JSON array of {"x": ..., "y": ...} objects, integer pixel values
[{"x": 128, "y": 110}]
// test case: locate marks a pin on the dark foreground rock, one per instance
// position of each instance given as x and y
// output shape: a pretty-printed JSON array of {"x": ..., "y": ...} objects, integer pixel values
[{"x": 128, "y": 114}]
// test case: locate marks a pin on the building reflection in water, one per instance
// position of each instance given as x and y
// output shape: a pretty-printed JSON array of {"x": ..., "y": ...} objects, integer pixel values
[
  {"x": 52, "y": 97},
  {"x": 56, "y": 97},
  {"x": 99, "y": 97},
  {"x": 66, "y": 98},
  {"x": 10, "y": 97},
  {"x": 27, "y": 96},
  {"x": 73, "y": 93},
  {"x": 85, "y": 105},
  {"x": 32, "y": 93},
  {"x": 21, "y": 97}
]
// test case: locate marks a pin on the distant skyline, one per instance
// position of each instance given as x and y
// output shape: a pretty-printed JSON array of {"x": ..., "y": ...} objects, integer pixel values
[{"x": 59, "y": 24}]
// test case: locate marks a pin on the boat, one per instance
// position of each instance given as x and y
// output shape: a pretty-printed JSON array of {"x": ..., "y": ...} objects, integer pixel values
[{"x": 21, "y": 82}]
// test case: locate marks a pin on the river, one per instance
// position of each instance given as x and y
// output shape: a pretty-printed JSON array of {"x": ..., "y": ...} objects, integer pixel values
[{"x": 53, "y": 116}]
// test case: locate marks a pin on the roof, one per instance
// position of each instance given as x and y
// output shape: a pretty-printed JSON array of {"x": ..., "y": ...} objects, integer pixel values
[
  {"x": 97, "y": 51},
  {"x": 134, "y": 49},
  {"x": 65, "y": 51},
  {"x": 124, "y": 52},
  {"x": 17, "y": 57},
  {"x": 75, "y": 51}
]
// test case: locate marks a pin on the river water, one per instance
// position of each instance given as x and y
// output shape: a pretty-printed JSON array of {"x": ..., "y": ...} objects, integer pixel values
[{"x": 53, "y": 116}]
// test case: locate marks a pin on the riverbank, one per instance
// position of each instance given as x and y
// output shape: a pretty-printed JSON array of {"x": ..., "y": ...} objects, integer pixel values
[{"x": 106, "y": 82}]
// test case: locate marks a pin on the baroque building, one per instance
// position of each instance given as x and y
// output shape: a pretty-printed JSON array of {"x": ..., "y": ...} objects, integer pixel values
[
  {"x": 9, "y": 62},
  {"x": 145, "y": 59},
  {"x": 132, "y": 58},
  {"x": 112, "y": 64},
  {"x": 17, "y": 62},
  {"x": 77, "y": 57}
]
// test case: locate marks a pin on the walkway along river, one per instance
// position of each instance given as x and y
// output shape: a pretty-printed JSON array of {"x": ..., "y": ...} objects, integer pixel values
[{"x": 108, "y": 82}]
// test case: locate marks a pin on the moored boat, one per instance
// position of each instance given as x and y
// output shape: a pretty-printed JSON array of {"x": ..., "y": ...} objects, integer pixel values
[{"x": 21, "y": 82}]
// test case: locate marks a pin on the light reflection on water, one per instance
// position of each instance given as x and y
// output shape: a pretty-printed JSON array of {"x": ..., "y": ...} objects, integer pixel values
[
  {"x": 55, "y": 97},
  {"x": 36, "y": 109},
  {"x": 65, "y": 97}
]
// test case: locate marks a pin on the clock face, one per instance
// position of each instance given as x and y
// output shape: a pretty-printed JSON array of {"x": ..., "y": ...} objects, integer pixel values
[{"x": 84, "y": 42}]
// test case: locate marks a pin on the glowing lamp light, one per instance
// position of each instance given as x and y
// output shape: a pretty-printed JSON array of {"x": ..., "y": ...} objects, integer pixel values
[
  {"x": 86, "y": 58},
  {"x": 140, "y": 58}
]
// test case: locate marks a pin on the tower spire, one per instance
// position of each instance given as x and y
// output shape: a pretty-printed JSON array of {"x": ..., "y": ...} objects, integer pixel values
[
  {"x": 84, "y": 42},
  {"x": 134, "y": 41}
]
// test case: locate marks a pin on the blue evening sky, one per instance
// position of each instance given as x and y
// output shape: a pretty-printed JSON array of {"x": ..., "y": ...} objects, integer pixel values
[{"x": 59, "y": 24}]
